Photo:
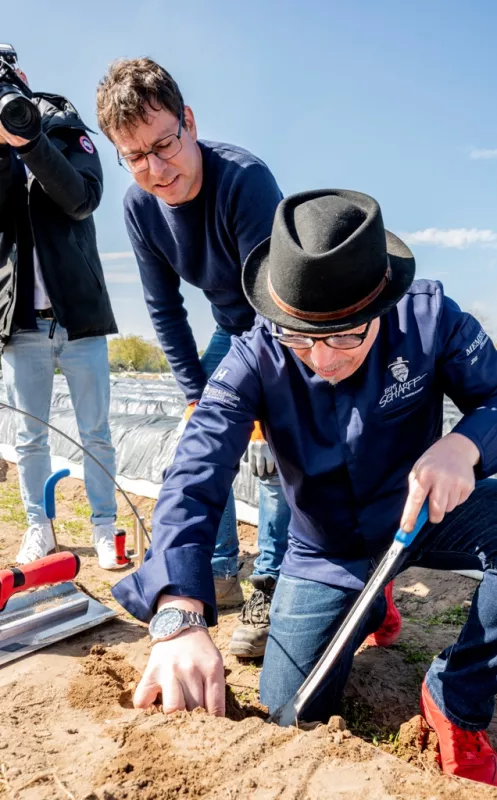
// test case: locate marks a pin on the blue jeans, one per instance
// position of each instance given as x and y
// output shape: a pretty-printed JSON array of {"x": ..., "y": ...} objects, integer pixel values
[
  {"x": 274, "y": 519},
  {"x": 274, "y": 513},
  {"x": 29, "y": 361},
  {"x": 462, "y": 680}
]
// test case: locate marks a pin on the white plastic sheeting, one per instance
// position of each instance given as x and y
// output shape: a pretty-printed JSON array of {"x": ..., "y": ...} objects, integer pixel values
[
  {"x": 143, "y": 418},
  {"x": 144, "y": 415}
]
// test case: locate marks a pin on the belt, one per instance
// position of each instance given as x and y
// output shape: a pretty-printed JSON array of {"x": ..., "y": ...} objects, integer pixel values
[{"x": 45, "y": 313}]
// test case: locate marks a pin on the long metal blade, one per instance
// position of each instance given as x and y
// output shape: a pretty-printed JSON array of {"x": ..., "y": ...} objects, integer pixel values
[
  {"x": 288, "y": 713},
  {"x": 37, "y": 619}
]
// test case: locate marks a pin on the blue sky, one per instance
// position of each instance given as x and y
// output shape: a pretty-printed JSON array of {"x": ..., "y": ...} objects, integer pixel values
[{"x": 394, "y": 99}]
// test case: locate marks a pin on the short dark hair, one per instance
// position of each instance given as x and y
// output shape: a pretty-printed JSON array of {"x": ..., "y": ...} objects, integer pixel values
[{"x": 129, "y": 86}]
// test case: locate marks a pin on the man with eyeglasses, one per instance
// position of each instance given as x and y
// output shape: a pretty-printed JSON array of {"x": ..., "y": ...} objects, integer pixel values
[
  {"x": 347, "y": 366},
  {"x": 194, "y": 213}
]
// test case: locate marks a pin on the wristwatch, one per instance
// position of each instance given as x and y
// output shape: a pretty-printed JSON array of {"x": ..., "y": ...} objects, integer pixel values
[{"x": 171, "y": 621}]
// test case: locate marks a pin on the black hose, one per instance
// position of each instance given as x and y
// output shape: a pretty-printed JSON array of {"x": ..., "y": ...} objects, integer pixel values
[{"x": 70, "y": 439}]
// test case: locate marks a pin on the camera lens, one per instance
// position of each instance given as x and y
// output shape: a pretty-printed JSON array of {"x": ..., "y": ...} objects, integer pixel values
[{"x": 20, "y": 116}]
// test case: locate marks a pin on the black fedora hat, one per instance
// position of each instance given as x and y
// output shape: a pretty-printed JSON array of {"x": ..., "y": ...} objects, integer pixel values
[{"x": 329, "y": 264}]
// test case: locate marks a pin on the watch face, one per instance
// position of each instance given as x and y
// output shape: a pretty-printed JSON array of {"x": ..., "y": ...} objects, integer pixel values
[{"x": 166, "y": 623}]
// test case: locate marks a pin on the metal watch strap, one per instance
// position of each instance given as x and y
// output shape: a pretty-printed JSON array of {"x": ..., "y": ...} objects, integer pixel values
[{"x": 196, "y": 619}]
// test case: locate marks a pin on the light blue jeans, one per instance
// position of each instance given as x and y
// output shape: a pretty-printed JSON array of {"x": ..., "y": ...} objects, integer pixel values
[
  {"x": 29, "y": 362},
  {"x": 274, "y": 513}
]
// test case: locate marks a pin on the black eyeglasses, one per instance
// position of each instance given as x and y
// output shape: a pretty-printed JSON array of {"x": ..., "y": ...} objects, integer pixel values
[
  {"x": 164, "y": 149},
  {"x": 338, "y": 341}
]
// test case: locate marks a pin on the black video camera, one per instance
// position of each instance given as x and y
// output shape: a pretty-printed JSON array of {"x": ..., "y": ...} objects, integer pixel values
[{"x": 18, "y": 114}]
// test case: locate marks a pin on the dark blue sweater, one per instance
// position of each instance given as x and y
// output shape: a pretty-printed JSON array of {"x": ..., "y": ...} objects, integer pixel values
[{"x": 204, "y": 242}]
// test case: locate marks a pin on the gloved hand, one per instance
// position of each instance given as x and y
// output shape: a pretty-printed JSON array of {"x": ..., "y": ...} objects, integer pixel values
[{"x": 259, "y": 456}]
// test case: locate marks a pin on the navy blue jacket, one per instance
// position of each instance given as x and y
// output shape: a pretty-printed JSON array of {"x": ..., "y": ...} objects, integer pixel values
[
  {"x": 343, "y": 453},
  {"x": 205, "y": 243}
]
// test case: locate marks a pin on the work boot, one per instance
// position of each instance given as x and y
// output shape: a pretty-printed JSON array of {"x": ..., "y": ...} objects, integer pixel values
[
  {"x": 467, "y": 754},
  {"x": 105, "y": 548},
  {"x": 250, "y": 638},
  {"x": 36, "y": 543},
  {"x": 228, "y": 592},
  {"x": 390, "y": 628}
]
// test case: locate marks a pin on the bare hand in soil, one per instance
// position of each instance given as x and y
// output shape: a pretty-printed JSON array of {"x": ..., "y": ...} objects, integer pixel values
[
  {"x": 188, "y": 672},
  {"x": 445, "y": 473}
]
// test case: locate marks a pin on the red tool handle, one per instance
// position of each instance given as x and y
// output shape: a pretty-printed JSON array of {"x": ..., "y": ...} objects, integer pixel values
[
  {"x": 51, "y": 569},
  {"x": 120, "y": 546}
]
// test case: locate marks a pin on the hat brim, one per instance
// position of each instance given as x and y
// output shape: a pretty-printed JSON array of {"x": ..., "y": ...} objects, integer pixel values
[{"x": 255, "y": 285}]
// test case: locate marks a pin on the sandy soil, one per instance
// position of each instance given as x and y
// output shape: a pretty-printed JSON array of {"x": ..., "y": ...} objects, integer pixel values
[{"x": 69, "y": 729}]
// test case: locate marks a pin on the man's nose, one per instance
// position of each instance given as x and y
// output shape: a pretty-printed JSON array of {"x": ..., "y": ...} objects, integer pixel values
[
  {"x": 322, "y": 355},
  {"x": 156, "y": 165}
]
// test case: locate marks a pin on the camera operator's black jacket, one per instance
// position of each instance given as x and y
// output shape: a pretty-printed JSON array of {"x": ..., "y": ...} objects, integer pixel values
[{"x": 53, "y": 210}]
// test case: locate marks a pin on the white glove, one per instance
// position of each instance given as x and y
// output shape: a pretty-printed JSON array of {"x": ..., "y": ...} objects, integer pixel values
[{"x": 260, "y": 459}]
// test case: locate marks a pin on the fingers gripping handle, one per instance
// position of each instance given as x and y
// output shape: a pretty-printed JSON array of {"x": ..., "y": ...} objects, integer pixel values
[
  {"x": 407, "y": 538},
  {"x": 49, "y": 491},
  {"x": 51, "y": 569}
]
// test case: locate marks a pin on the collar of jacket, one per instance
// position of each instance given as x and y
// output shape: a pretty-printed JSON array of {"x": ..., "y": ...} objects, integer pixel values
[{"x": 58, "y": 112}]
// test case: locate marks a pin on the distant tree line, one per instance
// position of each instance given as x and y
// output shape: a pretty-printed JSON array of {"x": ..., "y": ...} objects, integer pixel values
[{"x": 133, "y": 354}]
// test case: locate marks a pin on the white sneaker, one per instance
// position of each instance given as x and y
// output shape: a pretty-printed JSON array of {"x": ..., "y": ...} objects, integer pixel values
[
  {"x": 36, "y": 543},
  {"x": 103, "y": 542}
]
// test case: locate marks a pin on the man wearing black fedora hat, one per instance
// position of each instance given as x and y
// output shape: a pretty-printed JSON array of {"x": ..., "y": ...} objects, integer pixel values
[{"x": 347, "y": 365}]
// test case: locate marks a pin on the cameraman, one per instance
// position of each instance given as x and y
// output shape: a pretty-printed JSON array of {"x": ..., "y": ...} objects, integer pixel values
[{"x": 54, "y": 306}]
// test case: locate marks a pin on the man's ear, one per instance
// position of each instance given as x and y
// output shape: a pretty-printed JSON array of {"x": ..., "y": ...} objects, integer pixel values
[{"x": 189, "y": 122}]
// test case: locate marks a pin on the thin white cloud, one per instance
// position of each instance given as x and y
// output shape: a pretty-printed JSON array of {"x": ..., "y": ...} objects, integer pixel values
[
  {"x": 483, "y": 154},
  {"x": 117, "y": 256},
  {"x": 451, "y": 237}
]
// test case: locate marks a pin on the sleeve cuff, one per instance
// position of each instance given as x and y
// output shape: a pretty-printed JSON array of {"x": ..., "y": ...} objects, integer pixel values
[
  {"x": 180, "y": 571},
  {"x": 26, "y": 148},
  {"x": 470, "y": 429}
]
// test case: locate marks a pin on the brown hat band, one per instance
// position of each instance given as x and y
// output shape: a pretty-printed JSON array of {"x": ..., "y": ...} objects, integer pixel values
[{"x": 327, "y": 316}]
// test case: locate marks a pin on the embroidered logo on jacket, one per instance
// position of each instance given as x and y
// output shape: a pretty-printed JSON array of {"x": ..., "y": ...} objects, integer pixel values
[
  {"x": 220, "y": 374},
  {"x": 480, "y": 342},
  {"x": 405, "y": 386},
  {"x": 86, "y": 144},
  {"x": 399, "y": 369}
]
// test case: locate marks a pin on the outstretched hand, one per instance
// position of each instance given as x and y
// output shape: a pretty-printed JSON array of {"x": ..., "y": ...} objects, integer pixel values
[
  {"x": 445, "y": 475},
  {"x": 187, "y": 670}
]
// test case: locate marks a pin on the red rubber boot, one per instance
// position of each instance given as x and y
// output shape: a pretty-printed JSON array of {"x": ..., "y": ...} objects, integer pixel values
[
  {"x": 467, "y": 754},
  {"x": 390, "y": 628}
]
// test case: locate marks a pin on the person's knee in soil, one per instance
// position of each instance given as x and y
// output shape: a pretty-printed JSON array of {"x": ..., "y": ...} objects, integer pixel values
[
  {"x": 305, "y": 616},
  {"x": 52, "y": 274},
  {"x": 352, "y": 398}
]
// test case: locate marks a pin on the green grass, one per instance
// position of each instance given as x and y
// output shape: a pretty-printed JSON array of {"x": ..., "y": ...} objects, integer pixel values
[
  {"x": 411, "y": 653},
  {"x": 80, "y": 509},
  {"x": 11, "y": 508},
  {"x": 360, "y": 719},
  {"x": 247, "y": 589},
  {"x": 457, "y": 615},
  {"x": 247, "y": 697},
  {"x": 74, "y": 527}
]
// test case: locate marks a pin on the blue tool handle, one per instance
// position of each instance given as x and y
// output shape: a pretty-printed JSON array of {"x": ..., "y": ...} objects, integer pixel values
[
  {"x": 407, "y": 538},
  {"x": 49, "y": 491}
]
